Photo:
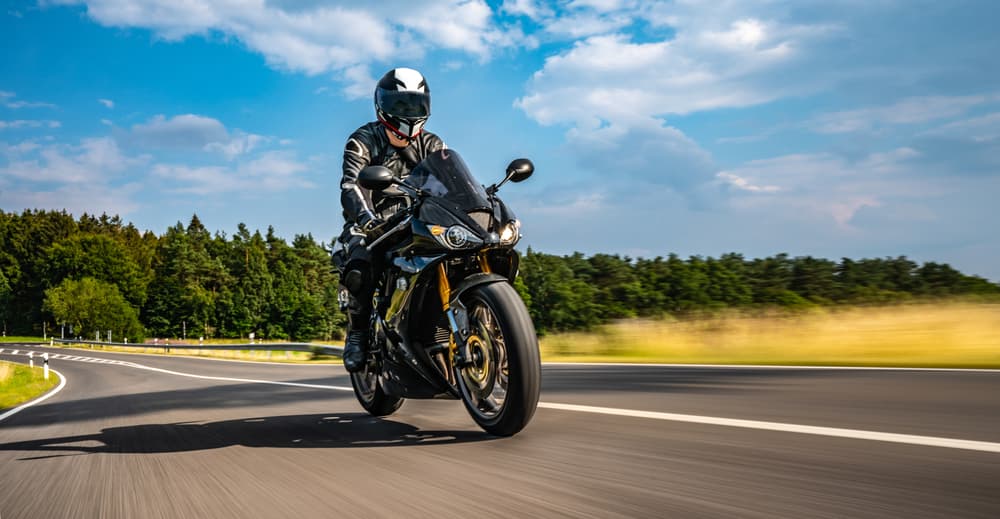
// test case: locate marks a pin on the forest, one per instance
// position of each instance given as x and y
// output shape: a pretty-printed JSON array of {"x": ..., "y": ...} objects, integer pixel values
[{"x": 100, "y": 274}]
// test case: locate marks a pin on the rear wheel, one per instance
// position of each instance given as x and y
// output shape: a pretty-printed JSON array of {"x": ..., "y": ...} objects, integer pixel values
[
  {"x": 500, "y": 387},
  {"x": 368, "y": 389}
]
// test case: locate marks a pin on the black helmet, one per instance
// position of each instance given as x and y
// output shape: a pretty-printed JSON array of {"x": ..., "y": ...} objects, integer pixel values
[{"x": 403, "y": 101}]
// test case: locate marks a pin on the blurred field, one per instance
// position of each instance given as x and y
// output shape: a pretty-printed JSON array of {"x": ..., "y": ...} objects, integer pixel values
[
  {"x": 19, "y": 384},
  {"x": 926, "y": 335}
]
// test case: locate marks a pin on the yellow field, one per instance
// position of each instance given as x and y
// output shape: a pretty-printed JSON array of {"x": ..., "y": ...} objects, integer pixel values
[{"x": 944, "y": 335}]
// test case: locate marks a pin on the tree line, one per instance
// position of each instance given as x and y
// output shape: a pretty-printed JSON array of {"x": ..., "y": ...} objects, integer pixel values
[
  {"x": 575, "y": 292},
  {"x": 100, "y": 274}
]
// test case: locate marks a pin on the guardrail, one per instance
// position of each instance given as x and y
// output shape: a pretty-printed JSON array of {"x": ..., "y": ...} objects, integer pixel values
[{"x": 265, "y": 346}]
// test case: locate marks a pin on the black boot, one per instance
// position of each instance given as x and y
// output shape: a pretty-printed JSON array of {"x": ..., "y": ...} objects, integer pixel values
[{"x": 355, "y": 348}]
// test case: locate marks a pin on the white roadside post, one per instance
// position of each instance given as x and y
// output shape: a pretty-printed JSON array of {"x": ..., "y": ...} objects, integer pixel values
[
  {"x": 46, "y": 357},
  {"x": 31, "y": 359}
]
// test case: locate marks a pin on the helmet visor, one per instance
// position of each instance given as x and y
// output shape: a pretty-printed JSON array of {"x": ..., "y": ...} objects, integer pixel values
[{"x": 404, "y": 104}]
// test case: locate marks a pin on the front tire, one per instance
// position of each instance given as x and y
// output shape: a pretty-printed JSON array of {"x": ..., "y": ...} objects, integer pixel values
[{"x": 500, "y": 389}]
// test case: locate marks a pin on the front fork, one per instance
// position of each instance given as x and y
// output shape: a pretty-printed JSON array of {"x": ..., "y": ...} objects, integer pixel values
[{"x": 458, "y": 317}]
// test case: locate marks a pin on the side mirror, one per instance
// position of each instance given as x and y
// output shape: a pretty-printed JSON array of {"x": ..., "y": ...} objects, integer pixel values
[
  {"x": 376, "y": 178},
  {"x": 519, "y": 170}
]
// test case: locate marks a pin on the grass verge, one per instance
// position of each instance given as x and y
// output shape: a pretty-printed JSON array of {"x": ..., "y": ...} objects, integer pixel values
[
  {"x": 19, "y": 384},
  {"x": 292, "y": 357},
  {"x": 920, "y": 335},
  {"x": 20, "y": 339}
]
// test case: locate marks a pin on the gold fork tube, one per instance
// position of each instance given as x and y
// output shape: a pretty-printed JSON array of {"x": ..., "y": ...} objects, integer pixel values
[{"x": 444, "y": 288}]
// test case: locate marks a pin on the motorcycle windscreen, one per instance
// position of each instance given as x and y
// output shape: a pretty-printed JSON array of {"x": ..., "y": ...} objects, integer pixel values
[{"x": 444, "y": 175}]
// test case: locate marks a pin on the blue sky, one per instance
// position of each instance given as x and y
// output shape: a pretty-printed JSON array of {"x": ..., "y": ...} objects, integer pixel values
[{"x": 851, "y": 128}]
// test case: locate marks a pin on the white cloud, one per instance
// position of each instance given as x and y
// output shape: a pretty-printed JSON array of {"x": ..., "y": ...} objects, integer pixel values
[
  {"x": 75, "y": 199},
  {"x": 578, "y": 25},
  {"x": 8, "y": 99},
  {"x": 268, "y": 173},
  {"x": 359, "y": 82},
  {"x": 239, "y": 144},
  {"x": 613, "y": 78},
  {"x": 107, "y": 103},
  {"x": 829, "y": 186},
  {"x": 530, "y": 8},
  {"x": 980, "y": 129},
  {"x": 642, "y": 151},
  {"x": 746, "y": 185},
  {"x": 92, "y": 161},
  {"x": 186, "y": 131},
  {"x": 22, "y": 123},
  {"x": 911, "y": 110},
  {"x": 603, "y": 6},
  {"x": 315, "y": 37},
  {"x": 194, "y": 132},
  {"x": 21, "y": 148}
]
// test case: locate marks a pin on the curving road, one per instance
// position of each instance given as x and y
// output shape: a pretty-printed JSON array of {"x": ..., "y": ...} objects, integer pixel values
[{"x": 147, "y": 436}]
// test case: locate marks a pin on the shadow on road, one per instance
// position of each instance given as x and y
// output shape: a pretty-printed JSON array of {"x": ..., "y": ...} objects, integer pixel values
[
  {"x": 70, "y": 409},
  {"x": 350, "y": 430}
]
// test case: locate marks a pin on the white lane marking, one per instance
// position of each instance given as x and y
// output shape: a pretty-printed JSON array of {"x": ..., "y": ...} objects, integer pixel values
[
  {"x": 46, "y": 396},
  {"x": 856, "y": 434},
  {"x": 15, "y": 352},
  {"x": 764, "y": 366},
  {"x": 230, "y": 379}
]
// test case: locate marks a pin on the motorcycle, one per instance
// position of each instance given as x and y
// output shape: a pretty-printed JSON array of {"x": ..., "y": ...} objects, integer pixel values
[{"x": 446, "y": 320}]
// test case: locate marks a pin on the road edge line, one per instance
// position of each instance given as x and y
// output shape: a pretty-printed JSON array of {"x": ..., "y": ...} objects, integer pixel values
[{"x": 136, "y": 365}]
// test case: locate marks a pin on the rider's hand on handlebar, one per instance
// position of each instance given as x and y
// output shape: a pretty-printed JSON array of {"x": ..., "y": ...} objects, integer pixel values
[{"x": 367, "y": 222}]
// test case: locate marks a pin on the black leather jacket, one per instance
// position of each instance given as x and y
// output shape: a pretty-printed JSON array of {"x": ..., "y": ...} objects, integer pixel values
[{"x": 369, "y": 146}]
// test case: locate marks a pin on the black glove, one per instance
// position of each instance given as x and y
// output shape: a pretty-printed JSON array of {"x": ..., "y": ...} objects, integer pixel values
[{"x": 367, "y": 222}]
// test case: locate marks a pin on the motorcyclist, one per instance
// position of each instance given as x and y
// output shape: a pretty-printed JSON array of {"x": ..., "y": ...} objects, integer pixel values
[{"x": 397, "y": 141}]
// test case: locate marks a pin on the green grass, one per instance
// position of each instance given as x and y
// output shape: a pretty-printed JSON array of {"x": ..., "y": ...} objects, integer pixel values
[
  {"x": 21, "y": 339},
  {"x": 19, "y": 384},
  {"x": 920, "y": 335}
]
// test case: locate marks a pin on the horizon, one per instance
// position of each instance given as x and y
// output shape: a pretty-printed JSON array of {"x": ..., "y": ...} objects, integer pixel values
[{"x": 853, "y": 130}]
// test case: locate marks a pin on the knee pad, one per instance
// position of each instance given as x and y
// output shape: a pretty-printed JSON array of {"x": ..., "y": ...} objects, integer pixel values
[{"x": 358, "y": 278}]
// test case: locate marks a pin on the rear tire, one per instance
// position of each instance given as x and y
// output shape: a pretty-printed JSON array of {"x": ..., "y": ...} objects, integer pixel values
[
  {"x": 369, "y": 392},
  {"x": 500, "y": 390}
]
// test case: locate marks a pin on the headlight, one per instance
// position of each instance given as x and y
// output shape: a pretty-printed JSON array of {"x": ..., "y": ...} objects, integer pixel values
[
  {"x": 455, "y": 237},
  {"x": 510, "y": 232}
]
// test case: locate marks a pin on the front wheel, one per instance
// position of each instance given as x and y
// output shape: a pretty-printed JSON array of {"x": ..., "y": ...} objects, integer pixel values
[{"x": 500, "y": 387}]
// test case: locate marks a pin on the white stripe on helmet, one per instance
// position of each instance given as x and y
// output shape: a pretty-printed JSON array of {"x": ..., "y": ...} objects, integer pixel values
[{"x": 411, "y": 79}]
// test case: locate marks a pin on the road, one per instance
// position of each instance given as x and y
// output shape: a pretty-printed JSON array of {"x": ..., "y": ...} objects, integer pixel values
[{"x": 122, "y": 440}]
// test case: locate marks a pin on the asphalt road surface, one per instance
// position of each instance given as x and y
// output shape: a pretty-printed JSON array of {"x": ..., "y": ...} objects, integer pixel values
[{"x": 123, "y": 440}]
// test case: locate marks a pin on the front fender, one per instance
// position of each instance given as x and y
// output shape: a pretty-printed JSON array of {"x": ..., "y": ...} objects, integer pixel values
[{"x": 474, "y": 281}]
